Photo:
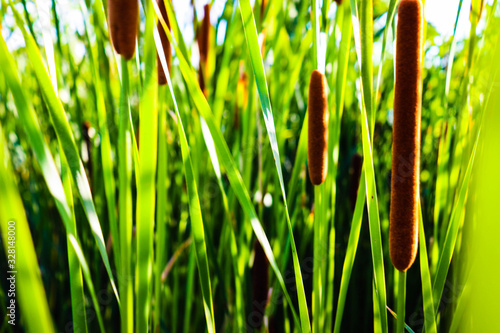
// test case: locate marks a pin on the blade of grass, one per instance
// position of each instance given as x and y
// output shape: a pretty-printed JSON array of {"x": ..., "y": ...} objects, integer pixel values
[
  {"x": 391, "y": 11},
  {"x": 65, "y": 136},
  {"x": 340, "y": 85},
  {"x": 161, "y": 209},
  {"x": 366, "y": 62},
  {"x": 451, "y": 234},
  {"x": 451, "y": 57},
  {"x": 371, "y": 190},
  {"x": 197, "y": 228},
  {"x": 458, "y": 315},
  {"x": 189, "y": 289},
  {"x": 78, "y": 311},
  {"x": 44, "y": 19},
  {"x": 30, "y": 292},
  {"x": 145, "y": 212},
  {"x": 428, "y": 302},
  {"x": 106, "y": 158},
  {"x": 408, "y": 328},
  {"x": 227, "y": 160},
  {"x": 75, "y": 270},
  {"x": 352, "y": 247},
  {"x": 258, "y": 69},
  {"x": 125, "y": 204},
  {"x": 42, "y": 153},
  {"x": 315, "y": 22}
]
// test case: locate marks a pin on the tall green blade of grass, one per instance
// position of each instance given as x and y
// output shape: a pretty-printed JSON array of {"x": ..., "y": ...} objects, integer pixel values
[
  {"x": 428, "y": 301},
  {"x": 260, "y": 77},
  {"x": 45, "y": 22},
  {"x": 75, "y": 271},
  {"x": 79, "y": 323},
  {"x": 365, "y": 8},
  {"x": 125, "y": 204},
  {"x": 197, "y": 228},
  {"x": 462, "y": 304},
  {"x": 148, "y": 135},
  {"x": 238, "y": 274},
  {"x": 484, "y": 289},
  {"x": 388, "y": 22},
  {"x": 451, "y": 234},
  {"x": 189, "y": 288},
  {"x": 226, "y": 158},
  {"x": 344, "y": 13},
  {"x": 451, "y": 57},
  {"x": 65, "y": 136},
  {"x": 106, "y": 158},
  {"x": 42, "y": 153},
  {"x": 352, "y": 247},
  {"x": 29, "y": 287},
  {"x": 315, "y": 22},
  {"x": 161, "y": 210},
  {"x": 442, "y": 187},
  {"x": 363, "y": 39}
]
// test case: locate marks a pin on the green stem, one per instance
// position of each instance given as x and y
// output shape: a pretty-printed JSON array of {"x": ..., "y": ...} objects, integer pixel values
[
  {"x": 366, "y": 25},
  {"x": 125, "y": 204},
  {"x": 317, "y": 295},
  {"x": 161, "y": 234},
  {"x": 401, "y": 302},
  {"x": 316, "y": 32}
]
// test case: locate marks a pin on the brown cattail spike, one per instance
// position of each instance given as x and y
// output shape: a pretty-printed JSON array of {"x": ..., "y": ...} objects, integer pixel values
[
  {"x": 403, "y": 230},
  {"x": 260, "y": 285},
  {"x": 354, "y": 174},
  {"x": 167, "y": 50},
  {"x": 203, "y": 46},
  {"x": 123, "y": 23},
  {"x": 318, "y": 128},
  {"x": 204, "y": 35},
  {"x": 263, "y": 6}
]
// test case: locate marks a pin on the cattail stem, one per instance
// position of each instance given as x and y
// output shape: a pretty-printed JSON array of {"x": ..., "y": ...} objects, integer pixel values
[
  {"x": 400, "y": 325},
  {"x": 123, "y": 23},
  {"x": 403, "y": 230},
  {"x": 319, "y": 259},
  {"x": 125, "y": 204},
  {"x": 318, "y": 168}
]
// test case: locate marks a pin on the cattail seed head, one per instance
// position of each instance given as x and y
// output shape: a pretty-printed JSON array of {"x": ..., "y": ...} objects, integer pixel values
[
  {"x": 260, "y": 283},
  {"x": 318, "y": 128},
  {"x": 354, "y": 174},
  {"x": 167, "y": 49},
  {"x": 204, "y": 35},
  {"x": 403, "y": 229},
  {"x": 123, "y": 23},
  {"x": 263, "y": 6},
  {"x": 203, "y": 46}
]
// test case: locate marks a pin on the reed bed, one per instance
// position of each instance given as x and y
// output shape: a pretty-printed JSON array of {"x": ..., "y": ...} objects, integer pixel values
[{"x": 275, "y": 181}]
